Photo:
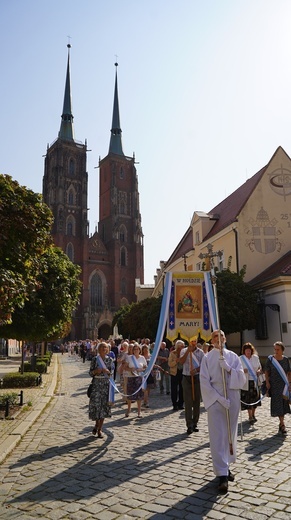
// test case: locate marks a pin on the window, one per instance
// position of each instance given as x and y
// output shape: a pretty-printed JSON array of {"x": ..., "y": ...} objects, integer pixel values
[
  {"x": 71, "y": 197},
  {"x": 70, "y": 252},
  {"x": 197, "y": 238},
  {"x": 220, "y": 262},
  {"x": 96, "y": 299},
  {"x": 70, "y": 226},
  {"x": 122, "y": 234},
  {"x": 72, "y": 167},
  {"x": 70, "y": 229}
]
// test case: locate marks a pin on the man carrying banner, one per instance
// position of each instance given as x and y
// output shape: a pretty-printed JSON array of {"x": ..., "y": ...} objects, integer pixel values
[
  {"x": 221, "y": 397},
  {"x": 190, "y": 358}
]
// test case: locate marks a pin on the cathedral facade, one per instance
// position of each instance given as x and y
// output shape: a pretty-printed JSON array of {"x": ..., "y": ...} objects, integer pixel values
[{"x": 112, "y": 258}]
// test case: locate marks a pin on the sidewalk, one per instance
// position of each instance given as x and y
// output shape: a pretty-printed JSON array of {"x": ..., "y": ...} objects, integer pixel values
[
  {"x": 145, "y": 468},
  {"x": 12, "y": 430}
]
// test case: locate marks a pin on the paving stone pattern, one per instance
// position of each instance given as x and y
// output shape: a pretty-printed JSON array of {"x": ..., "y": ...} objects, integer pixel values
[{"x": 143, "y": 468}]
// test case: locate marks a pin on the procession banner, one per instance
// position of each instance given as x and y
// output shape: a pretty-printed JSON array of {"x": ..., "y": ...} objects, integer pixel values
[{"x": 189, "y": 315}]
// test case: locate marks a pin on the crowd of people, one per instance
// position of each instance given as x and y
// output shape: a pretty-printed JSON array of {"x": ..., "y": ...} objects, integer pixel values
[{"x": 226, "y": 383}]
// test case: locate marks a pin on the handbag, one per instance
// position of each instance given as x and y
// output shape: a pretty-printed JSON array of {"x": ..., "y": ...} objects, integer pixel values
[
  {"x": 89, "y": 389},
  {"x": 261, "y": 379}
]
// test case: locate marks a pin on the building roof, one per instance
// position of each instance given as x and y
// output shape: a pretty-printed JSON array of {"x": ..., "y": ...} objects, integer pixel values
[
  {"x": 280, "y": 268},
  {"x": 67, "y": 128},
  {"x": 228, "y": 210},
  {"x": 115, "y": 145},
  {"x": 185, "y": 245}
]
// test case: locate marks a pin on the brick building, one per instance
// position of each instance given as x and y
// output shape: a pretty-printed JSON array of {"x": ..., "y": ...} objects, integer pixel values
[{"x": 112, "y": 258}]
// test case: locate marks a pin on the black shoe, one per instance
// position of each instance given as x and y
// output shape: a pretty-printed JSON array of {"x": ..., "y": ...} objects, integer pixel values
[
  {"x": 189, "y": 431},
  {"x": 168, "y": 393},
  {"x": 195, "y": 429},
  {"x": 223, "y": 485},
  {"x": 175, "y": 408},
  {"x": 230, "y": 476}
]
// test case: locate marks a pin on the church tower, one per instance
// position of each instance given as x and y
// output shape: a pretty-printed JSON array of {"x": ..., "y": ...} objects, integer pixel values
[
  {"x": 65, "y": 185},
  {"x": 119, "y": 215},
  {"x": 112, "y": 258}
]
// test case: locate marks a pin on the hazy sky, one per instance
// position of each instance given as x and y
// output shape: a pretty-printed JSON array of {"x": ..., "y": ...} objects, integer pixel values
[{"x": 204, "y": 96}]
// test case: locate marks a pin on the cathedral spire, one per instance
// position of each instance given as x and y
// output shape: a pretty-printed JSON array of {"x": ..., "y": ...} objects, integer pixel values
[
  {"x": 67, "y": 128},
  {"x": 115, "y": 145}
]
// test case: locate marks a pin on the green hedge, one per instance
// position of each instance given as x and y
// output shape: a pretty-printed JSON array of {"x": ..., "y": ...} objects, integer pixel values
[
  {"x": 40, "y": 367},
  {"x": 16, "y": 380},
  {"x": 11, "y": 397}
]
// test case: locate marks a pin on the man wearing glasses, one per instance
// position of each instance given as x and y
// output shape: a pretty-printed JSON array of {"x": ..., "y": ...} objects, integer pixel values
[{"x": 221, "y": 378}]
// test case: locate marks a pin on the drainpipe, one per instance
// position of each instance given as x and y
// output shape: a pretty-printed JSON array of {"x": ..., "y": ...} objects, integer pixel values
[{"x": 237, "y": 270}]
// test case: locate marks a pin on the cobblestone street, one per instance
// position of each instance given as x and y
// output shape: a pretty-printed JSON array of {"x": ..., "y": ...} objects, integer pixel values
[{"x": 147, "y": 468}]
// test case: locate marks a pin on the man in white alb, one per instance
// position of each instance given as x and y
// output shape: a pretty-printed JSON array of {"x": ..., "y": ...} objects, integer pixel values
[{"x": 218, "y": 407}]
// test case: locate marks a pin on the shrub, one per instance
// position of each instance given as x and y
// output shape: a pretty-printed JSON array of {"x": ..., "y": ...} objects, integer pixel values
[
  {"x": 40, "y": 367},
  {"x": 11, "y": 397},
  {"x": 16, "y": 380}
]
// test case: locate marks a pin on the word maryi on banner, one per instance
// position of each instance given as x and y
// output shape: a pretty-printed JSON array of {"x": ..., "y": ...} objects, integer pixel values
[{"x": 189, "y": 314}]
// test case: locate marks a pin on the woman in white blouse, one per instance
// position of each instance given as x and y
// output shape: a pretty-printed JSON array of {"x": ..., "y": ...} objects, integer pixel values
[
  {"x": 136, "y": 364},
  {"x": 250, "y": 394}
]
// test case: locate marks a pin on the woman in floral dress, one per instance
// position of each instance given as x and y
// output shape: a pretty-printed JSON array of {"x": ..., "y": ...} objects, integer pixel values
[{"x": 101, "y": 368}]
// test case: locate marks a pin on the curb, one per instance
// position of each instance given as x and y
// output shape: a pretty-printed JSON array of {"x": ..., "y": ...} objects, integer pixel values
[{"x": 18, "y": 433}]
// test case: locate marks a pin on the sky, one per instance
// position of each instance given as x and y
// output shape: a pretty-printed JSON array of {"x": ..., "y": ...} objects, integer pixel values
[{"x": 204, "y": 97}]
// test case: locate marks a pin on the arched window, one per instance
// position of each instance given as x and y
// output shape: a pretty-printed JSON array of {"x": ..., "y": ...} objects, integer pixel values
[
  {"x": 123, "y": 256},
  {"x": 122, "y": 234},
  {"x": 71, "y": 197},
  {"x": 72, "y": 167},
  {"x": 70, "y": 251},
  {"x": 96, "y": 299},
  {"x": 70, "y": 226}
]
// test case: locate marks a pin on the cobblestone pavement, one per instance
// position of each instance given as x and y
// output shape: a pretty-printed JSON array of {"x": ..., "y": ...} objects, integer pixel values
[{"x": 142, "y": 468}]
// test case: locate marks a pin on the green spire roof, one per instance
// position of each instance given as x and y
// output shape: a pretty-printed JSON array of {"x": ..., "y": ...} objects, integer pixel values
[
  {"x": 115, "y": 145},
  {"x": 67, "y": 128}
]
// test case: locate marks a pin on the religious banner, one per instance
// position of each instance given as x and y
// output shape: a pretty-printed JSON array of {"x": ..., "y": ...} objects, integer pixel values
[{"x": 189, "y": 314}]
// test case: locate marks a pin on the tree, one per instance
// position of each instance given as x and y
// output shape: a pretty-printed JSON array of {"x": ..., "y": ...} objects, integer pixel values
[
  {"x": 237, "y": 302},
  {"x": 47, "y": 313},
  {"x": 139, "y": 320},
  {"x": 25, "y": 224}
]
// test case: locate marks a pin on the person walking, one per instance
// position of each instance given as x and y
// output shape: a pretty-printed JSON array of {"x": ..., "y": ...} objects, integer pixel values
[
  {"x": 101, "y": 369},
  {"x": 222, "y": 410},
  {"x": 162, "y": 361},
  {"x": 176, "y": 375},
  {"x": 278, "y": 383},
  {"x": 250, "y": 393},
  {"x": 136, "y": 363},
  {"x": 150, "y": 382},
  {"x": 190, "y": 359}
]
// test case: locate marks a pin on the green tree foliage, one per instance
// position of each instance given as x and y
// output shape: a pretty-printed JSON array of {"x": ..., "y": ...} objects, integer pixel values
[
  {"x": 48, "y": 310},
  {"x": 237, "y": 302},
  {"x": 139, "y": 320},
  {"x": 25, "y": 224}
]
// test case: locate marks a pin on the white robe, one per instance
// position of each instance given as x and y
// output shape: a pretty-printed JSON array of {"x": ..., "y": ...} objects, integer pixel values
[{"x": 211, "y": 384}]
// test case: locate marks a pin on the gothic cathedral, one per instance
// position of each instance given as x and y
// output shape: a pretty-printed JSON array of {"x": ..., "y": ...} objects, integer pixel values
[{"x": 112, "y": 258}]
